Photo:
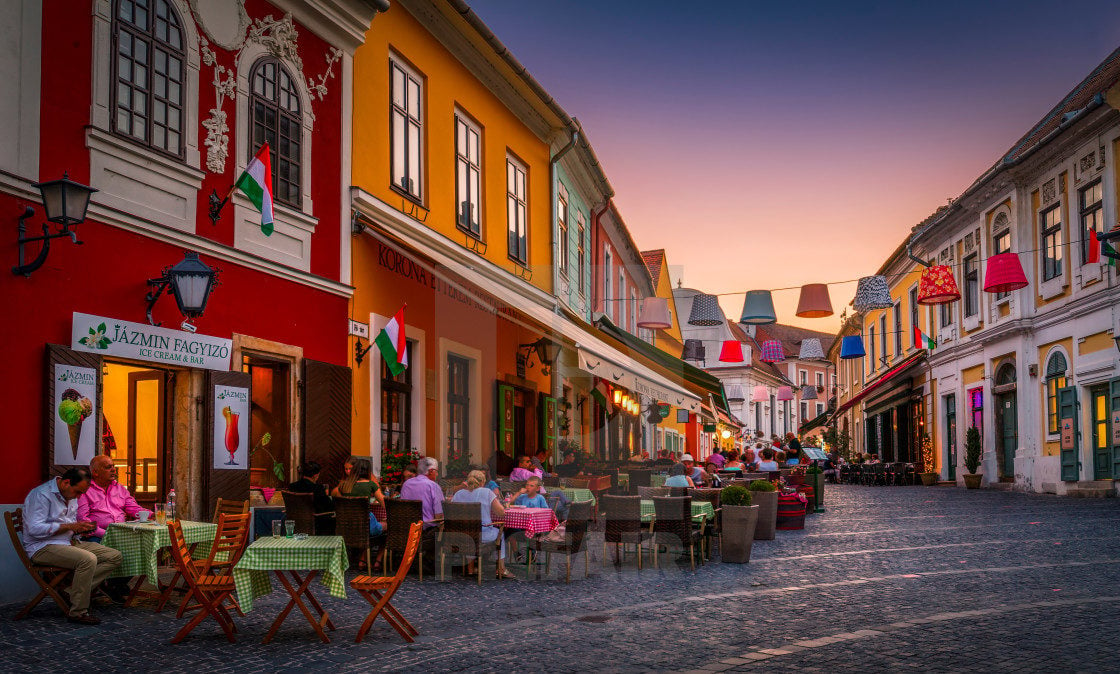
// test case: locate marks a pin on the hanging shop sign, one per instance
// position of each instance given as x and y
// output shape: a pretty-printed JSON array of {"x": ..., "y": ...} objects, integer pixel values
[
  {"x": 75, "y": 428},
  {"x": 139, "y": 341},
  {"x": 231, "y": 432}
]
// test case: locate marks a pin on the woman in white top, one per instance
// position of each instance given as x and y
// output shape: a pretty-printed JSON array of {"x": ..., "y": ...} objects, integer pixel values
[
  {"x": 768, "y": 464},
  {"x": 491, "y": 507}
]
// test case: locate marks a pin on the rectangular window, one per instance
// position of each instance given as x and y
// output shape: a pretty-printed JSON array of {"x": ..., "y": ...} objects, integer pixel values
[
  {"x": 871, "y": 362},
  {"x": 407, "y": 128},
  {"x": 1053, "y": 385},
  {"x": 620, "y": 311},
  {"x": 897, "y": 328},
  {"x": 883, "y": 337},
  {"x": 396, "y": 407},
  {"x": 946, "y": 312},
  {"x": 468, "y": 176},
  {"x": 804, "y": 412},
  {"x": 820, "y": 379},
  {"x": 458, "y": 407},
  {"x": 820, "y": 409},
  {"x": 1092, "y": 215},
  {"x": 833, "y": 381},
  {"x": 607, "y": 281},
  {"x": 1051, "y": 221},
  {"x": 517, "y": 211},
  {"x": 633, "y": 311},
  {"x": 581, "y": 254},
  {"x": 562, "y": 230},
  {"x": 802, "y": 377},
  {"x": 971, "y": 285},
  {"x": 914, "y": 317},
  {"x": 1001, "y": 243}
]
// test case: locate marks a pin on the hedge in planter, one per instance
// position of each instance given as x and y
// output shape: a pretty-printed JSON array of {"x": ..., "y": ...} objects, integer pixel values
[
  {"x": 740, "y": 519},
  {"x": 765, "y": 495},
  {"x": 972, "y": 454}
]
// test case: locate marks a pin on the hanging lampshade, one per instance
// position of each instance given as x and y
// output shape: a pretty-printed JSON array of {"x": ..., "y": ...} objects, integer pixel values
[
  {"x": 814, "y": 302},
  {"x": 937, "y": 286},
  {"x": 785, "y": 393},
  {"x": 735, "y": 394},
  {"x": 808, "y": 392},
  {"x": 872, "y": 293},
  {"x": 811, "y": 349},
  {"x": 772, "y": 351},
  {"x": 852, "y": 347},
  {"x": 1004, "y": 274},
  {"x": 654, "y": 314},
  {"x": 705, "y": 311},
  {"x": 693, "y": 350},
  {"x": 758, "y": 308},
  {"x": 731, "y": 352},
  {"x": 760, "y": 394}
]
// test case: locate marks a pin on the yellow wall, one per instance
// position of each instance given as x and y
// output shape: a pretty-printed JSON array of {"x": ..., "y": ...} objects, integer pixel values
[
  {"x": 972, "y": 375},
  {"x": 448, "y": 86},
  {"x": 1093, "y": 343},
  {"x": 900, "y": 292},
  {"x": 670, "y": 341}
]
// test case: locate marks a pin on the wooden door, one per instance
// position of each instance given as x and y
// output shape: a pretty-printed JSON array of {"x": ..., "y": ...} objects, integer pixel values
[
  {"x": 326, "y": 417},
  {"x": 1069, "y": 433},
  {"x": 147, "y": 433},
  {"x": 1114, "y": 424},
  {"x": 1008, "y": 425},
  {"x": 1101, "y": 438},
  {"x": 951, "y": 436}
]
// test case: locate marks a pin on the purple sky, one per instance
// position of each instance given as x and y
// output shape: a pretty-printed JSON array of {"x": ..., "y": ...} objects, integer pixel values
[{"x": 766, "y": 145}]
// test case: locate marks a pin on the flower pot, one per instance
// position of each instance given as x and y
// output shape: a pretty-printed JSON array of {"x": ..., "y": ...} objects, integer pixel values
[
  {"x": 972, "y": 480},
  {"x": 929, "y": 479},
  {"x": 767, "y": 502},
  {"x": 739, "y": 524}
]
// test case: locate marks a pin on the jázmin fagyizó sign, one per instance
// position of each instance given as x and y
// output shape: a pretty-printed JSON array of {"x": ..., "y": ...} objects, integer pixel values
[{"x": 139, "y": 341}]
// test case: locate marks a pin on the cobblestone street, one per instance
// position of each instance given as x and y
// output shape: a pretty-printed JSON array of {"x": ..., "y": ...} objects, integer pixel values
[{"x": 929, "y": 579}]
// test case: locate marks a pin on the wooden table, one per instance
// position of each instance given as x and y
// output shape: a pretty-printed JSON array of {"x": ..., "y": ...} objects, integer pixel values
[{"x": 140, "y": 544}]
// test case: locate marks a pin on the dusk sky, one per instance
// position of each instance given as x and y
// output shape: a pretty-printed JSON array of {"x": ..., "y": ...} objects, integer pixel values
[{"x": 766, "y": 145}]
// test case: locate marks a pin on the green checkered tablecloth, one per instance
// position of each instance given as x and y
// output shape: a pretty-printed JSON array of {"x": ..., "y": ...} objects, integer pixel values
[
  {"x": 575, "y": 493},
  {"x": 700, "y": 510},
  {"x": 657, "y": 480},
  {"x": 140, "y": 544},
  {"x": 326, "y": 554}
]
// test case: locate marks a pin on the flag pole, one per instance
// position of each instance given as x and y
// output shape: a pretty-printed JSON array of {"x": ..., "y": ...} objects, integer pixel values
[{"x": 216, "y": 204}]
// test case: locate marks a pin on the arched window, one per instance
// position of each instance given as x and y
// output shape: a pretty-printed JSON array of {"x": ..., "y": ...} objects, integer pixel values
[
  {"x": 275, "y": 119},
  {"x": 1055, "y": 380},
  {"x": 1005, "y": 375},
  {"x": 148, "y": 74}
]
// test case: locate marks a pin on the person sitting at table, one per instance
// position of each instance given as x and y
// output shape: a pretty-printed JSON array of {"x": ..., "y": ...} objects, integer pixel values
[
  {"x": 699, "y": 477},
  {"x": 530, "y": 495},
  {"x": 425, "y": 489},
  {"x": 768, "y": 464},
  {"x": 793, "y": 458},
  {"x": 107, "y": 502},
  {"x": 475, "y": 491},
  {"x": 50, "y": 522},
  {"x": 711, "y": 471},
  {"x": 308, "y": 483},
  {"x": 678, "y": 477},
  {"x": 663, "y": 460},
  {"x": 570, "y": 467},
  {"x": 717, "y": 459},
  {"x": 525, "y": 470},
  {"x": 540, "y": 462},
  {"x": 733, "y": 462},
  {"x": 360, "y": 481}
]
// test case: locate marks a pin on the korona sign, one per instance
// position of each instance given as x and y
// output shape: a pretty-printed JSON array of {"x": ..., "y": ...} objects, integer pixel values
[{"x": 139, "y": 341}]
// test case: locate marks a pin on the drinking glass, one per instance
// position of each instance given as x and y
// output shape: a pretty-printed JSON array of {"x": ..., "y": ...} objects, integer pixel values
[
  {"x": 289, "y": 528},
  {"x": 277, "y": 528},
  {"x": 161, "y": 515}
]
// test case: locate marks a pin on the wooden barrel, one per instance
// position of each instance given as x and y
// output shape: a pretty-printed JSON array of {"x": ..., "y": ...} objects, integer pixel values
[{"x": 791, "y": 512}]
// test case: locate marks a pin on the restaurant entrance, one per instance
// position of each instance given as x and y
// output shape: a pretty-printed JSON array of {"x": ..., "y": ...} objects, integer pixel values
[
  {"x": 136, "y": 415},
  {"x": 270, "y": 412}
]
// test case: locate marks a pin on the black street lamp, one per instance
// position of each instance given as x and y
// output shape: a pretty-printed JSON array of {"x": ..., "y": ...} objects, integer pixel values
[
  {"x": 191, "y": 281},
  {"x": 65, "y": 203}
]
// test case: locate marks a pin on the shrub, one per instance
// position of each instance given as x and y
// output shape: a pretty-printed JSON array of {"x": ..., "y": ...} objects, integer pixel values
[
  {"x": 972, "y": 451},
  {"x": 735, "y": 495},
  {"x": 761, "y": 485},
  {"x": 813, "y": 470}
]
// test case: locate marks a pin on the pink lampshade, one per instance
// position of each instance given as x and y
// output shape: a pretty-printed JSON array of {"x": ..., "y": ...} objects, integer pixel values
[
  {"x": 1004, "y": 274},
  {"x": 814, "y": 301},
  {"x": 731, "y": 352},
  {"x": 785, "y": 393},
  {"x": 772, "y": 351},
  {"x": 654, "y": 314},
  {"x": 759, "y": 394}
]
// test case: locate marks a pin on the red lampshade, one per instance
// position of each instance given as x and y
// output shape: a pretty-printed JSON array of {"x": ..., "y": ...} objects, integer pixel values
[
  {"x": 731, "y": 352},
  {"x": 937, "y": 286},
  {"x": 785, "y": 393},
  {"x": 814, "y": 301},
  {"x": 1004, "y": 274}
]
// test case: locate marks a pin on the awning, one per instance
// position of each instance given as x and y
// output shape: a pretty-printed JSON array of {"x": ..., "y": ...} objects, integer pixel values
[
  {"x": 687, "y": 372},
  {"x": 887, "y": 376},
  {"x": 625, "y": 374},
  {"x": 820, "y": 420}
]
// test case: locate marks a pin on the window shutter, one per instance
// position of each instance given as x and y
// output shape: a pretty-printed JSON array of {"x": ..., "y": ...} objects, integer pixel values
[
  {"x": 505, "y": 419},
  {"x": 60, "y": 355},
  {"x": 1114, "y": 423},
  {"x": 232, "y": 483},
  {"x": 1067, "y": 425},
  {"x": 326, "y": 417},
  {"x": 549, "y": 427}
]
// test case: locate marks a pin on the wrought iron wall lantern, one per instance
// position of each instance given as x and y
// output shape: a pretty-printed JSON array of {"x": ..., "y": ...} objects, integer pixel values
[
  {"x": 65, "y": 203},
  {"x": 547, "y": 352},
  {"x": 190, "y": 281}
]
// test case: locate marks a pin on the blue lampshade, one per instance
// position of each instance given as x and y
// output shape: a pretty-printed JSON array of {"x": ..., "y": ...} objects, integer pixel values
[
  {"x": 852, "y": 347},
  {"x": 758, "y": 308}
]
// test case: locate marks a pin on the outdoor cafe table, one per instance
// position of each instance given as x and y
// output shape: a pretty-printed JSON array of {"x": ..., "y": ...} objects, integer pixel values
[
  {"x": 701, "y": 510},
  {"x": 533, "y": 520},
  {"x": 656, "y": 480},
  {"x": 285, "y": 558},
  {"x": 140, "y": 543},
  {"x": 575, "y": 493}
]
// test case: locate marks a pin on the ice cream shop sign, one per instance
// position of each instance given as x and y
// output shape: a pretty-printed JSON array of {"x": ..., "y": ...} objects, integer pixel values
[{"x": 139, "y": 341}]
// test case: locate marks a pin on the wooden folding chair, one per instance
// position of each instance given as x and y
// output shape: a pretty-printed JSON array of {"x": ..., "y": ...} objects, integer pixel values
[
  {"x": 209, "y": 589},
  {"x": 225, "y": 506},
  {"x": 49, "y": 578},
  {"x": 229, "y": 543},
  {"x": 379, "y": 590}
]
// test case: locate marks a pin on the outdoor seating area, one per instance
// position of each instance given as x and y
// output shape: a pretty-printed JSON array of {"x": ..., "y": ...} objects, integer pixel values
[{"x": 879, "y": 474}]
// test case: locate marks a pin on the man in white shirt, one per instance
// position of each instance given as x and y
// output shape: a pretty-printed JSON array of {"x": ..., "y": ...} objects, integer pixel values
[{"x": 50, "y": 530}]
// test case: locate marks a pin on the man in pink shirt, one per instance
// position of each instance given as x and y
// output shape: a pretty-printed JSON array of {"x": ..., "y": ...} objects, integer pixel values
[{"x": 106, "y": 501}]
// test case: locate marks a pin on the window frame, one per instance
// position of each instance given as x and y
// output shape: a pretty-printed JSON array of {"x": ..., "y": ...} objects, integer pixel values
[
  {"x": 898, "y": 328},
  {"x": 883, "y": 337},
  {"x": 915, "y": 316},
  {"x": 562, "y": 234},
  {"x": 1051, "y": 266},
  {"x": 971, "y": 270},
  {"x": 1095, "y": 210},
  {"x": 871, "y": 362},
  {"x": 391, "y": 386},
  {"x": 466, "y": 126},
  {"x": 410, "y": 74},
  {"x": 517, "y": 205},
  {"x": 998, "y": 247},
  {"x": 461, "y": 400},
  {"x": 1054, "y": 382},
  {"x": 819, "y": 378},
  {"x": 607, "y": 282},
  {"x": 295, "y": 120},
  {"x": 581, "y": 253}
]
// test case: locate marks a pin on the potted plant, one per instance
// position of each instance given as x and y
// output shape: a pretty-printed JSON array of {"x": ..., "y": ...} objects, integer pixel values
[
  {"x": 739, "y": 519},
  {"x": 929, "y": 478},
  {"x": 972, "y": 455},
  {"x": 814, "y": 476},
  {"x": 765, "y": 495}
]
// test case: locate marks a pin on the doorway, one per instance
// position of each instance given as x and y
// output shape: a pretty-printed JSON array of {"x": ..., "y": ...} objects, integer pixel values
[
  {"x": 1007, "y": 421},
  {"x": 1102, "y": 450},
  {"x": 951, "y": 436},
  {"x": 134, "y": 433},
  {"x": 270, "y": 413}
]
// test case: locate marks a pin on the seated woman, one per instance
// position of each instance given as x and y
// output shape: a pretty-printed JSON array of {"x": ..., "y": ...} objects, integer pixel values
[
  {"x": 733, "y": 462},
  {"x": 475, "y": 491},
  {"x": 677, "y": 477},
  {"x": 768, "y": 463},
  {"x": 360, "y": 481}
]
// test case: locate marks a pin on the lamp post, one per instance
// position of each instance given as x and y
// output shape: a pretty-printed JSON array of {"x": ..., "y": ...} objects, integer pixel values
[
  {"x": 65, "y": 203},
  {"x": 191, "y": 281}
]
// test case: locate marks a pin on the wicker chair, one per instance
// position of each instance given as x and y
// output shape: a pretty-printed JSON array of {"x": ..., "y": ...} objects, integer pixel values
[
  {"x": 678, "y": 491},
  {"x": 399, "y": 516},
  {"x": 552, "y": 481},
  {"x": 672, "y": 527},
  {"x": 647, "y": 493},
  {"x": 575, "y": 535},
  {"x": 639, "y": 478},
  {"x": 462, "y": 535},
  {"x": 352, "y": 523},
  {"x": 300, "y": 508},
  {"x": 623, "y": 524},
  {"x": 716, "y": 529}
]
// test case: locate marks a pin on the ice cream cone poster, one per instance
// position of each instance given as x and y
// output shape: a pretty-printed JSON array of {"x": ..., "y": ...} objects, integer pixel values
[
  {"x": 231, "y": 428},
  {"x": 75, "y": 430}
]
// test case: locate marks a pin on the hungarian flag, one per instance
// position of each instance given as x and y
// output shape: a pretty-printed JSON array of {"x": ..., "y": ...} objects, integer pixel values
[
  {"x": 922, "y": 340},
  {"x": 1094, "y": 248},
  {"x": 1108, "y": 250},
  {"x": 392, "y": 344},
  {"x": 602, "y": 394},
  {"x": 256, "y": 184}
]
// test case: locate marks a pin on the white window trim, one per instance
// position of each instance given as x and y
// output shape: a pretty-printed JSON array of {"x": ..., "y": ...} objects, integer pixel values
[
  {"x": 1054, "y": 287},
  {"x": 474, "y": 388},
  {"x": 512, "y": 162},
  {"x": 24, "y": 70},
  {"x": 972, "y": 322},
  {"x": 1057, "y": 348},
  {"x": 419, "y": 194},
  {"x": 465, "y": 119},
  {"x": 608, "y": 280},
  {"x": 581, "y": 246},
  {"x": 1089, "y": 272},
  {"x": 377, "y": 323}
]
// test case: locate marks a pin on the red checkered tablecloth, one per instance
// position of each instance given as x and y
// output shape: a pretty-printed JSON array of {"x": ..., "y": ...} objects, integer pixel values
[
  {"x": 533, "y": 520},
  {"x": 378, "y": 511}
]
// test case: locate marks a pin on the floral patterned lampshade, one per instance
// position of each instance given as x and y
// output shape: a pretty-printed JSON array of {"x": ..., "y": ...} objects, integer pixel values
[
  {"x": 811, "y": 349},
  {"x": 852, "y": 347},
  {"x": 758, "y": 308},
  {"x": 693, "y": 350},
  {"x": 654, "y": 314},
  {"x": 814, "y": 301},
  {"x": 937, "y": 286},
  {"x": 772, "y": 352},
  {"x": 872, "y": 293},
  {"x": 705, "y": 311},
  {"x": 735, "y": 394},
  {"x": 731, "y": 352},
  {"x": 759, "y": 394},
  {"x": 785, "y": 393},
  {"x": 1004, "y": 274},
  {"x": 808, "y": 392}
]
